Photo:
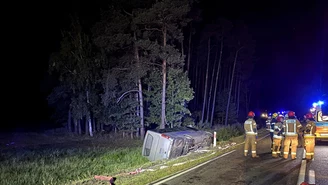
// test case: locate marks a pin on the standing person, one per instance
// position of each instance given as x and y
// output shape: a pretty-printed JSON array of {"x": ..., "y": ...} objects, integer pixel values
[
  {"x": 292, "y": 127},
  {"x": 250, "y": 128},
  {"x": 309, "y": 136},
  {"x": 272, "y": 123},
  {"x": 277, "y": 137}
]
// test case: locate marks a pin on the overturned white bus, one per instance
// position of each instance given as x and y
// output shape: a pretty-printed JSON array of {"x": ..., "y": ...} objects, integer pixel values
[{"x": 171, "y": 143}]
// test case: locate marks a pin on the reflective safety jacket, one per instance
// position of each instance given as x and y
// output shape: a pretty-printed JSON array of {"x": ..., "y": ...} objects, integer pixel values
[
  {"x": 310, "y": 128},
  {"x": 278, "y": 130},
  {"x": 272, "y": 123},
  {"x": 250, "y": 127},
  {"x": 292, "y": 127}
]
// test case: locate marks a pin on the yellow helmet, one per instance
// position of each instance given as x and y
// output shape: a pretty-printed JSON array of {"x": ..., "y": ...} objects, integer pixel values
[{"x": 274, "y": 115}]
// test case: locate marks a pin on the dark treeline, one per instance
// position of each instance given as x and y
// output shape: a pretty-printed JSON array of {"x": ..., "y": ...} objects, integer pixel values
[{"x": 151, "y": 64}]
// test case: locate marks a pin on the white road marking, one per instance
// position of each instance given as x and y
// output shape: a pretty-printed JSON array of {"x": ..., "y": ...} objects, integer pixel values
[
  {"x": 301, "y": 175},
  {"x": 181, "y": 173},
  {"x": 311, "y": 177}
]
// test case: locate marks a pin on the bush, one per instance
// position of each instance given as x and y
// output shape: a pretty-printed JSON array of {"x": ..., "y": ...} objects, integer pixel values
[{"x": 227, "y": 132}]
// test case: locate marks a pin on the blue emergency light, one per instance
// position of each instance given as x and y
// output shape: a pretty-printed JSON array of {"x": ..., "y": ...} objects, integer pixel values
[{"x": 315, "y": 104}]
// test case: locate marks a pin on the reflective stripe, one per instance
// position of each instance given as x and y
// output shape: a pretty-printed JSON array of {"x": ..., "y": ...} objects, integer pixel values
[
  {"x": 294, "y": 153},
  {"x": 245, "y": 150},
  {"x": 277, "y": 137},
  {"x": 285, "y": 152},
  {"x": 289, "y": 121},
  {"x": 310, "y": 153},
  {"x": 253, "y": 152},
  {"x": 251, "y": 133},
  {"x": 291, "y": 134},
  {"x": 274, "y": 152},
  {"x": 271, "y": 130}
]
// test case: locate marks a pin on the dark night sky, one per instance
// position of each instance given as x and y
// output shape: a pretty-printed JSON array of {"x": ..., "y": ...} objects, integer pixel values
[{"x": 288, "y": 35}]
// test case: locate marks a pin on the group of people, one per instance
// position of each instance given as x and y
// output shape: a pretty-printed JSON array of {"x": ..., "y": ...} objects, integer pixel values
[{"x": 286, "y": 132}]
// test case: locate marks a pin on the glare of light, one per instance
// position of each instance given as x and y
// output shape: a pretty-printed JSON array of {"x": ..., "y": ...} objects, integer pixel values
[
  {"x": 315, "y": 104},
  {"x": 278, "y": 112},
  {"x": 312, "y": 109},
  {"x": 270, "y": 114},
  {"x": 320, "y": 102}
]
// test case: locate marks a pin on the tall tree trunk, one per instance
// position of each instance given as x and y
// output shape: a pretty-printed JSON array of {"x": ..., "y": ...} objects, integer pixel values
[
  {"x": 189, "y": 48},
  {"x": 231, "y": 83},
  {"x": 206, "y": 79},
  {"x": 196, "y": 83},
  {"x": 88, "y": 117},
  {"x": 141, "y": 105},
  {"x": 131, "y": 134},
  {"x": 86, "y": 127},
  {"x": 94, "y": 123},
  {"x": 238, "y": 97},
  {"x": 163, "y": 116},
  {"x": 211, "y": 89},
  {"x": 80, "y": 126},
  {"x": 75, "y": 126},
  {"x": 69, "y": 121},
  {"x": 216, "y": 82},
  {"x": 90, "y": 125},
  {"x": 236, "y": 87}
]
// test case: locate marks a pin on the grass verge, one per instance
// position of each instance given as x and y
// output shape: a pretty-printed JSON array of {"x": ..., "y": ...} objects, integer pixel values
[{"x": 70, "y": 165}]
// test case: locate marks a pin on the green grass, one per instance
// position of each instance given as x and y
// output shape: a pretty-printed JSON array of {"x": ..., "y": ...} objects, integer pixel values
[
  {"x": 62, "y": 166},
  {"x": 100, "y": 156}
]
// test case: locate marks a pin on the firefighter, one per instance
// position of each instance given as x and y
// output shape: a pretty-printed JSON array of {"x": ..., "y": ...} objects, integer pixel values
[
  {"x": 267, "y": 123},
  {"x": 272, "y": 123},
  {"x": 250, "y": 128},
  {"x": 292, "y": 128},
  {"x": 309, "y": 136},
  {"x": 277, "y": 137}
]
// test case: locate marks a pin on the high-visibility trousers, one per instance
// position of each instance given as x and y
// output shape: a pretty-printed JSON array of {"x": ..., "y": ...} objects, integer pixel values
[
  {"x": 293, "y": 142},
  {"x": 250, "y": 140},
  {"x": 276, "y": 147},
  {"x": 309, "y": 143}
]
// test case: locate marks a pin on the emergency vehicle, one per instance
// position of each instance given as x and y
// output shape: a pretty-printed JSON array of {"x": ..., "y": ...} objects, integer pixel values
[{"x": 321, "y": 123}]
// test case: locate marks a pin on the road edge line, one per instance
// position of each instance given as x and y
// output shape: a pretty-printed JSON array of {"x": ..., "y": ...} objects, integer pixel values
[
  {"x": 190, "y": 169},
  {"x": 301, "y": 175}
]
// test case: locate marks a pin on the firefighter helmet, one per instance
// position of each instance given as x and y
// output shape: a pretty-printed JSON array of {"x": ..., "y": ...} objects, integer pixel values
[
  {"x": 280, "y": 119},
  {"x": 274, "y": 115},
  {"x": 251, "y": 114},
  {"x": 291, "y": 114},
  {"x": 309, "y": 116}
]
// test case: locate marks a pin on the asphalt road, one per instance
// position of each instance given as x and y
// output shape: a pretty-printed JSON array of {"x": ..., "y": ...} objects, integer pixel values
[
  {"x": 317, "y": 169},
  {"x": 235, "y": 169}
]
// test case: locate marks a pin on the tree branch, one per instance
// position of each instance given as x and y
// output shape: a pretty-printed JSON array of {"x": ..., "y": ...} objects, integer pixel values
[
  {"x": 130, "y": 14},
  {"x": 152, "y": 29},
  {"x": 122, "y": 96}
]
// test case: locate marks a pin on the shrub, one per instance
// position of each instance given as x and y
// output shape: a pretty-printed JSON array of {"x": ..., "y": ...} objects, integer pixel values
[{"x": 224, "y": 133}]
